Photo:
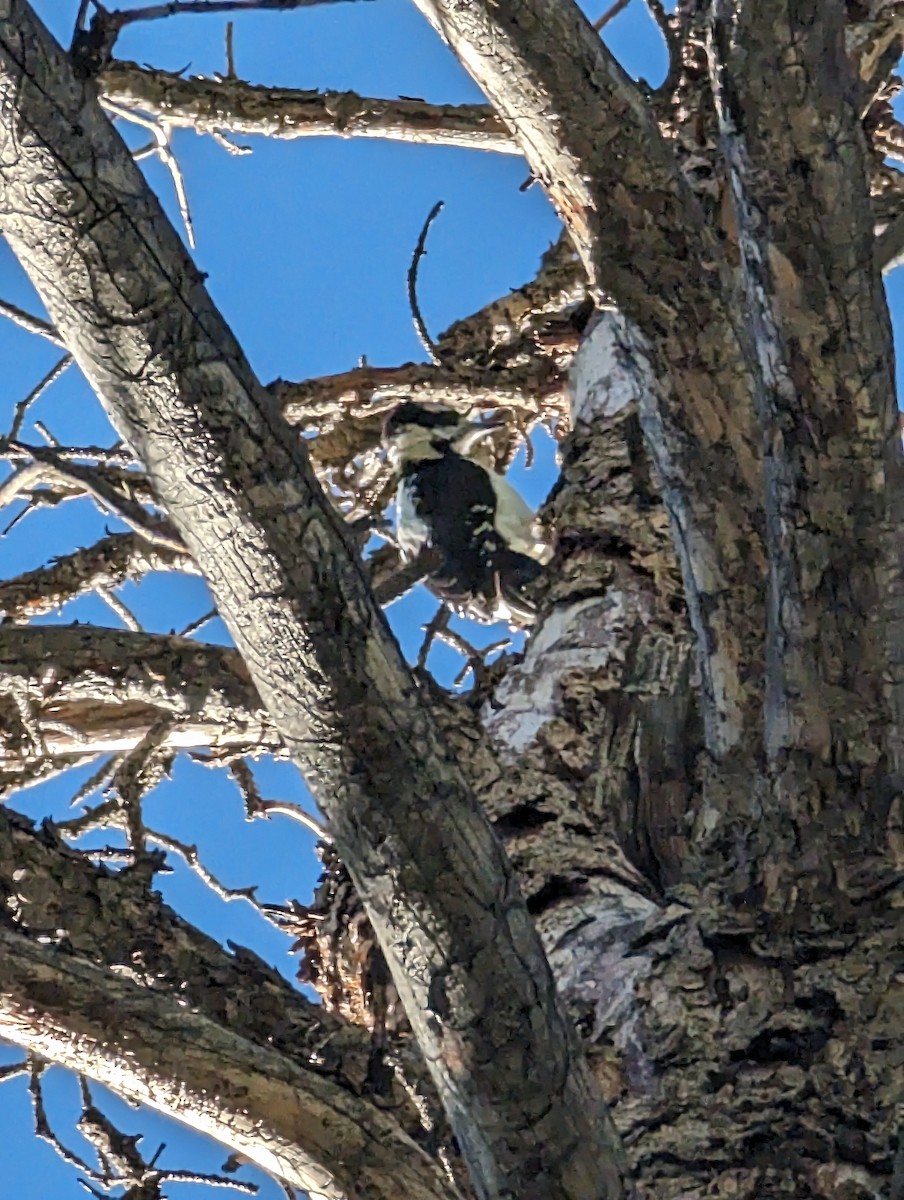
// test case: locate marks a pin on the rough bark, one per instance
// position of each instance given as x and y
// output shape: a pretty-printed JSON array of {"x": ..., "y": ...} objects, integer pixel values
[
  {"x": 593, "y": 143},
  {"x": 70, "y": 694},
  {"x": 82, "y": 942},
  {"x": 820, "y": 352},
  {"x": 745, "y": 1052},
  {"x": 233, "y": 106},
  {"x": 738, "y": 1061},
  {"x": 590, "y": 139},
  {"x": 444, "y": 901},
  {"x": 110, "y": 562},
  {"x": 150, "y": 1049}
]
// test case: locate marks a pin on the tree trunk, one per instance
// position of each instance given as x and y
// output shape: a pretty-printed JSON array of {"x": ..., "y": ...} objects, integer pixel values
[{"x": 695, "y": 769}]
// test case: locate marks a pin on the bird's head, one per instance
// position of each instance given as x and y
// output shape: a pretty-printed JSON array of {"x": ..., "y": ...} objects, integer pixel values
[{"x": 414, "y": 432}]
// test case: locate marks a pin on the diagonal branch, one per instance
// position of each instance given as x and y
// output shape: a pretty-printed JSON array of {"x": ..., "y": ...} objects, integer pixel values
[
  {"x": 149, "y": 1048},
  {"x": 592, "y": 141},
  {"x": 237, "y": 484},
  {"x": 108, "y": 563},
  {"x": 126, "y": 952}
]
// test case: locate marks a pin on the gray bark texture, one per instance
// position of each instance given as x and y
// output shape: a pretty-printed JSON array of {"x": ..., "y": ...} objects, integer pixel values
[
  {"x": 656, "y": 861},
  {"x": 237, "y": 485}
]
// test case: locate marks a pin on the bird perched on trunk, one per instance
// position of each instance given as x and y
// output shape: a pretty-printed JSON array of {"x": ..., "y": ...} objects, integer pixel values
[{"x": 449, "y": 500}]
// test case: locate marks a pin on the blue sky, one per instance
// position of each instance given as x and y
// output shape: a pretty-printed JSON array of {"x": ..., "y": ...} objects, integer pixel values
[{"x": 306, "y": 245}]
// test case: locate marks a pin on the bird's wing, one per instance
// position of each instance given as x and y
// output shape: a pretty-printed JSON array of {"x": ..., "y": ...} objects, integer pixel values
[{"x": 514, "y": 520}]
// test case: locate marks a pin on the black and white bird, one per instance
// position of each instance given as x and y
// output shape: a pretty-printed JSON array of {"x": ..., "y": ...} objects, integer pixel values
[{"x": 448, "y": 499}]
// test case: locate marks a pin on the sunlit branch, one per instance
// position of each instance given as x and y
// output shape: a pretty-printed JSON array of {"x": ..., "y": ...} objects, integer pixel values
[{"x": 232, "y": 106}]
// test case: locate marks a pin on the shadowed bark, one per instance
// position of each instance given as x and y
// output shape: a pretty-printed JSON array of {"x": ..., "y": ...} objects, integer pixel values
[
  {"x": 111, "y": 945},
  {"x": 710, "y": 847},
  {"x": 642, "y": 238},
  {"x": 238, "y": 487}
]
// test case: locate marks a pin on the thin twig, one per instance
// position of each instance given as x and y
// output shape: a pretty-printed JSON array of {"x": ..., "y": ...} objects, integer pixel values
[
  {"x": 161, "y": 135},
  {"x": 172, "y": 8},
  {"x": 419, "y": 251},
  {"x": 106, "y": 815},
  {"x": 121, "y": 609},
  {"x": 230, "y": 147},
  {"x": 97, "y": 780},
  {"x": 43, "y": 1128},
  {"x": 113, "y": 456},
  {"x": 435, "y": 626},
  {"x": 47, "y": 464},
  {"x": 26, "y": 321},
  {"x": 230, "y": 52},
  {"x": 247, "y": 1189},
  {"x": 45, "y": 433},
  {"x": 189, "y": 855},
  {"x": 199, "y": 623},
  {"x": 13, "y": 1070},
  {"x": 609, "y": 14},
  {"x": 475, "y": 660},
  {"x": 285, "y": 808},
  {"x": 35, "y": 394}
]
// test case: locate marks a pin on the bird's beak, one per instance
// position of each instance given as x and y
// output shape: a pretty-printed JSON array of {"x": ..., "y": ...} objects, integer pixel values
[{"x": 473, "y": 435}]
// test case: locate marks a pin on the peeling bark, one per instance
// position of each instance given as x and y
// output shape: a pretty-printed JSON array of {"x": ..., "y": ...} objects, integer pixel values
[
  {"x": 593, "y": 143},
  {"x": 238, "y": 486}
]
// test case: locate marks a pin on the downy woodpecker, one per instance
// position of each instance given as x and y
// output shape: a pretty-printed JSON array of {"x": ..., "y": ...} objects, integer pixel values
[{"x": 449, "y": 500}]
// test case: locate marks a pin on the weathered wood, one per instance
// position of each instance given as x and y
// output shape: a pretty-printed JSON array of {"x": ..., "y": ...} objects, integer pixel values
[{"x": 237, "y": 484}]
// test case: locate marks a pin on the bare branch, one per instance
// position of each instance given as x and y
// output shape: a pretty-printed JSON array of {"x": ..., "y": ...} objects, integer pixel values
[
  {"x": 198, "y": 623},
  {"x": 102, "y": 694},
  {"x": 26, "y": 321},
  {"x": 160, "y": 145},
  {"x": 49, "y": 887},
  {"x": 294, "y": 1123},
  {"x": 171, "y": 8},
  {"x": 189, "y": 854},
  {"x": 43, "y": 1129},
  {"x": 218, "y": 106},
  {"x": 114, "y": 560},
  {"x": 236, "y": 481},
  {"x": 284, "y": 808},
  {"x": 119, "y": 607},
  {"x": 350, "y": 393},
  {"x": 609, "y": 15},
  {"x": 14, "y": 1070},
  {"x": 94, "y": 482},
  {"x": 35, "y": 394},
  {"x": 420, "y": 250}
]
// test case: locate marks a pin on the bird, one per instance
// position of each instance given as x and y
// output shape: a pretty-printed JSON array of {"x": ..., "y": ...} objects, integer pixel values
[{"x": 482, "y": 531}]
